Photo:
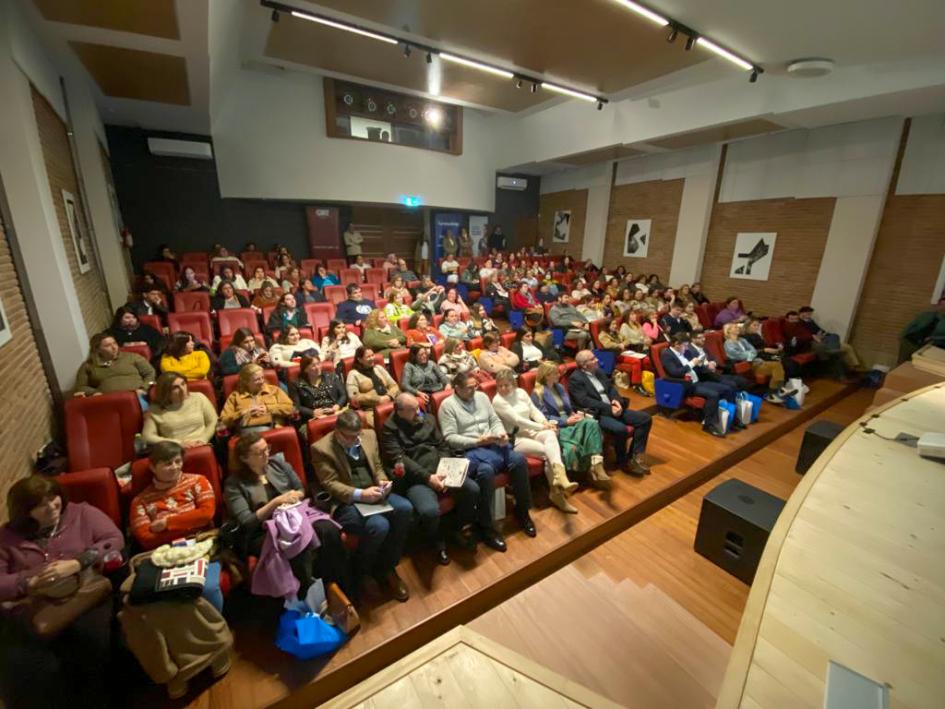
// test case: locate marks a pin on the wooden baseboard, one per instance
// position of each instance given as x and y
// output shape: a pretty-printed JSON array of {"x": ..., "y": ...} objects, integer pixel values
[{"x": 342, "y": 678}]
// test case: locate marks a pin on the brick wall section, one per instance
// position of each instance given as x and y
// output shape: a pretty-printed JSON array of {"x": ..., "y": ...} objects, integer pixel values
[
  {"x": 576, "y": 201},
  {"x": 26, "y": 407},
  {"x": 57, "y": 155},
  {"x": 657, "y": 200},
  {"x": 801, "y": 225},
  {"x": 905, "y": 263}
]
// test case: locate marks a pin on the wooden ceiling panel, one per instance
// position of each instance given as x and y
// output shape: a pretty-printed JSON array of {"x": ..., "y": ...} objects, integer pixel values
[
  {"x": 315, "y": 45},
  {"x": 592, "y": 44},
  {"x": 717, "y": 134},
  {"x": 613, "y": 152},
  {"x": 157, "y": 18},
  {"x": 131, "y": 73}
]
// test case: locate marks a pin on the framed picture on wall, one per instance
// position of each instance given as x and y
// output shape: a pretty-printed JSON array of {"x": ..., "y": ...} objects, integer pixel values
[
  {"x": 79, "y": 241},
  {"x": 753, "y": 254},
  {"x": 561, "y": 230},
  {"x": 5, "y": 333},
  {"x": 636, "y": 239}
]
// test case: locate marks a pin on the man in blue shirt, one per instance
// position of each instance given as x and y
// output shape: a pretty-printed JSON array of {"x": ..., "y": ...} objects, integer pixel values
[{"x": 356, "y": 308}]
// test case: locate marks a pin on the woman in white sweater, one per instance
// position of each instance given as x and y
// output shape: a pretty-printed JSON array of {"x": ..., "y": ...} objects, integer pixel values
[
  {"x": 534, "y": 435},
  {"x": 179, "y": 416},
  {"x": 291, "y": 346}
]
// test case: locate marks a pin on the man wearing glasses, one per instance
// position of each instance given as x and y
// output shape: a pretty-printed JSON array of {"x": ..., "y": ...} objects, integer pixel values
[
  {"x": 593, "y": 391},
  {"x": 472, "y": 428}
]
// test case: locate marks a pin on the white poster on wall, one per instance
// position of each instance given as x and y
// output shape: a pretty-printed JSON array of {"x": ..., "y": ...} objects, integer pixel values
[
  {"x": 477, "y": 232},
  {"x": 753, "y": 254},
  {"x": 636, "y": 239},
  {"x": 5, "y": 333},
  {"x": 561, "y": 230},
  {"x": 938, "y": 295},
  {"x": 79, "y": 241}
]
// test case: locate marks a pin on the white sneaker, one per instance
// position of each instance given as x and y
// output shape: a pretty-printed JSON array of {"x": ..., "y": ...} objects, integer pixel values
[{"x": 773, "y": 398}]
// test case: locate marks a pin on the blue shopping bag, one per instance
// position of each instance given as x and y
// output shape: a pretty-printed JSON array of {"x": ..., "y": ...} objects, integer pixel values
[
  {"x": 730, "y": 407},
  {"x": 756, "y": 402},
  {"x": 307, "y": 636},
  {"x": 669, "y": 395}
]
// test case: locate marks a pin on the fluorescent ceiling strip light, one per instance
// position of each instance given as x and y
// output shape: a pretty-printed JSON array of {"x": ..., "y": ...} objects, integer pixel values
[
  {"x": 341, "y": 26},
  {"x": 644, "y": 12},
  {"x": 724, "y": 53},
  {"x": 476, "y": 65},
  {"x": 568, "y": 92}
]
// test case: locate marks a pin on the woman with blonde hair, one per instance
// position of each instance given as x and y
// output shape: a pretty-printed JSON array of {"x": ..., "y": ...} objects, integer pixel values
[
  {"x": 397, "y": 307},
  {"x": 256, "y": 405},
  {"x": 457, "y": 360},
  {"x": 738, "y": 349},
  {"x": 534, "y": 435},
  {"x": 382, "y": 335},
  {"x": 187, "y": 418}
]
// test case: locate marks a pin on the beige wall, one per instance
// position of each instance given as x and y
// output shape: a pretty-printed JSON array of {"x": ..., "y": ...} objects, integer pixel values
[
  {"x": 657, "y": 200},
  {"x": 576, "y": 201}
]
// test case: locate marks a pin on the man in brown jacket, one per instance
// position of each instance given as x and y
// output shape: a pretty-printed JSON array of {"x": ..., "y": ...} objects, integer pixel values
[{"x": 349, "y": 468}]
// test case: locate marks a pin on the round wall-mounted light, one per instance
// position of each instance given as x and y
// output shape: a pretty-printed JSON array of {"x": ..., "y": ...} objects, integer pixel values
[{"x": 810, "y": 68}]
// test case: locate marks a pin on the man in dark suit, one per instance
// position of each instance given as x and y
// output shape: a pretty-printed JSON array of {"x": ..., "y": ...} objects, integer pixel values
[
  {"x": 592, "y": 390},
  {"x": 151, "y": 303},
  {"x": 674, "y": 322},
  {"x": 708, "y": 368},
  {"x": 678, "y": 366}
]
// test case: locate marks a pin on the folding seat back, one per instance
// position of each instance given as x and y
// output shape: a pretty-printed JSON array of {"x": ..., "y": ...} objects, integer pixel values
[
  {"x": 152, "y": 320},
  {"x": 772, "y": 331},
  {"x": 96, "y": 486},
  {"x": 381, "y": 413},
  {"x": 192, "y": 301},
  {"x": 319, "y": 314},
  {"x": 370, "y": 291},
  {"x": 488, "y": 388},
  {"x": 197, "y": 324},
  {"x": 595, "y": 327},
  {"x": 349, "y": 275},
  {"x": 232, "y": 319},
  {"x": 309, "y": 266},
  {"x": 702, "y": 312},
  {"x": 438, "y": 398},
  {"x": 336, "y": 264},
  {"x": 398, "y": 358},
  {"x": 218, "y": 266},
  {"x": 100, "y": 430},
  {"x": 377, "y": 276},
  {"x": 141, "y": 350},
  {"x": 526, "y": 380},
  {"x": 163, "y": 270},
  {"x": 335, "y": 294},
  {"x": 507, "y": 339}
]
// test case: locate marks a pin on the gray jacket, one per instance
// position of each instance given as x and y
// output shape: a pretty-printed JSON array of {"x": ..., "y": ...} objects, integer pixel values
[
  {"x": 564, "y": 315},
  {"x": 426, "y": 379},
  {"x": 243, "y": 498},
  {"x": 462, "y": 423}
]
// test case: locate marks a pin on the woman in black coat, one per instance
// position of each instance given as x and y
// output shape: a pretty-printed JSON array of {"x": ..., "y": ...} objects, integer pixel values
[
  {"x": 128, "y": 330},
  {"x": 530, "y": 352},
  {"x": 317, "y": 393},
  {"x": 227, "y": 297}
]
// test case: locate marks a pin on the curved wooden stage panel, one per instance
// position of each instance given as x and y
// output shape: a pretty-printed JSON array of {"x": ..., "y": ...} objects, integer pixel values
[
  {"x": 853, "y": 572},
  {"x": 442, "y": 598}
]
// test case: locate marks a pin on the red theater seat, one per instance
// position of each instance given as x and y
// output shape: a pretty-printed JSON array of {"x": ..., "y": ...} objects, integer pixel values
[
  {"x": 371, "y": 292},
  {"x": 377, "y": 276},
  {"x": 438, "y": 398},
  {"x": 96, "y": 486},
  {"x": 526, "y": 380},
  {"x": 309, "y": 266},
  {"x": 319, "y": 314},
  {"x": 508, "y": 338},
  {"x": 152, "y": 320},
  {"x": 100, "y": 430},
  {"x": 398, "y": 358},
  {"x": 231, "y": 320},
  {"x": 192, "y": 301},
  {"x": 336, "y": 264},
  {"x": 197, "y": 324},
  {"x": 141, "y": 350},
  {"x": 335, "y": 294},
  {"x": 595, "y": 327},
  {"x": 283, "y": 440},
  {"x": 163, "y": 270},
  {"x": 349, "y": 275},
  {"x": 381, "y": 414}
]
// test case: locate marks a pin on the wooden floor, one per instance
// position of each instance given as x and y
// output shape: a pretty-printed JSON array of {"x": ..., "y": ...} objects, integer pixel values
[
  {"x": 442, "y": 597},
  {"x": 642, "y": 619}
]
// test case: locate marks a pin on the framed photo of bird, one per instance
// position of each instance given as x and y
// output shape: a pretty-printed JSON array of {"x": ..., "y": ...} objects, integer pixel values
[
  {"x": 636, "y": 239},
  {"x": 753, "y": 254}
]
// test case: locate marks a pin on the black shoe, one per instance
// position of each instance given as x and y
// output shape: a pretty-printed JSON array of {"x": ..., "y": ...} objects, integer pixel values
[
  {"x": 464, "y": 540},
  {"x": 738, "y": 426},
  {"x": 442, "y": 558},
  {"x": 713, "y": 431},
  {"x": 634, "y": 469},
  {"x": 492, "y": 539},
  {"x": 528, "y": 526}
]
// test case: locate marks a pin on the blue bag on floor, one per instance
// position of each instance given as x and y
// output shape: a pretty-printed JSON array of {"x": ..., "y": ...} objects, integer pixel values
[
  {"x": 756, "y": 402},
  {"x": 730, "y": 407},
  {"x": 307, "y": 636},
  {"x": 791, "y": 403},
  {"x": 669, "y": 395}
]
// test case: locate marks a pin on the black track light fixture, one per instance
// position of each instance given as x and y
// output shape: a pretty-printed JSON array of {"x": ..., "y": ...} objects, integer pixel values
[
  {"x": 690, "y": 40},
  {"x": 600, "y": 105},
  {"x": 754, "y": 76},
  {"x": 673, "y": 34},
  {"x": 518, "y": 83},
  {"x": 407, "y": 50},
  {"x": 274, "y": 16},
  {"x": 534, "y": 87},
  {"x": 429, "y": 57}
]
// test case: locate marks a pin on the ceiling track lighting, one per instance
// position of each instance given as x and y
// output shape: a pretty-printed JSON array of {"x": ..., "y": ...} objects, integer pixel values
[
  {"x": 644, "y": 12},
  {"x": 409, "y": 45},
  {"x": 673, "y": 33},
  {"x": 690, "y": 40}
]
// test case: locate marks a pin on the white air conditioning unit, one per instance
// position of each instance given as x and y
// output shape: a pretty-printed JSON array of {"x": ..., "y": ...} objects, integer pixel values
[
  {"x": 180, "y": 148},
  {"x": 511, "y": 183}
]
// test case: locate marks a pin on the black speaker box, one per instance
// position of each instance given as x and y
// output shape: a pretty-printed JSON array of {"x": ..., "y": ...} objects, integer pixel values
[{"x": 817, "y": 437}]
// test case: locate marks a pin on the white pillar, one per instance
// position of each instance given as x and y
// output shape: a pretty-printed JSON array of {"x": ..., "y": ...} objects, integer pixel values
[
  {"x": 597, "y": 212},
  {"x": 692, "y": 228}
]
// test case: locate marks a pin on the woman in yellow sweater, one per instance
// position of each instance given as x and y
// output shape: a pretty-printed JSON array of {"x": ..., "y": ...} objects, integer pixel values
[{"x": 181, "y": 357}]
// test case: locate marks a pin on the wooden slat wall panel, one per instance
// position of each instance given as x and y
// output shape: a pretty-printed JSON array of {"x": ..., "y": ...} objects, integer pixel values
[
  {"x": 388, "y": 229},
  {"x": 26, "y": 407},
  {"x": 657, "y": 200},
  {"x": 576, "y": 201},
  {"x": 801, "y": 226}
]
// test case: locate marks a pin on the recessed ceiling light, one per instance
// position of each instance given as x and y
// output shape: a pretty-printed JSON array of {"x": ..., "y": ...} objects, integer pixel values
[{"x": 810, "y": 68}]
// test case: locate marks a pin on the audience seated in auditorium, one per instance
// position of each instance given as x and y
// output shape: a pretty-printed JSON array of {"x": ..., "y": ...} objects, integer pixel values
[
  {"x": 403, "y": 272},
  {"x": 369, "y": 384},
  {"x": 323, "y": 278},
  {"x": 593, "y": 391},
  {"x": 534, "y": 436},
  {"x": 673, "y": 322},
  {"x": 396, "y": 307},
  {"x": 390, "y": 266},
  {"x": 479, "y": 321},
  {"x": 738, "y": 349},
  {"x": 751, "y": 331},
  {"x": 732, "y": 312},
  {"x": 422, "y": 377},
  {"x": 260, "y": 279},
  {"x": 151, "y": 302},
  {"x": 453, "y": 301},
  {"x": 253, "y": 492},
  {"x": 222, "y": 255},
  {"x": 428, "y": 297},
  {"x": 449, "y": 267},
  {"x": 339, "y": 343},
  {"x": 452, "y": 326},
  {"x": 178, "y": 415},
  {"x": 472, "y": 428},
  {"x": 360, "y": 265},
  {"x": 708, "y": 368},
  {"x": 182, "y": 356},
  {"x": 44, "y": 547},
  {"x": 290, "y": 347},
  {"x": 355, "y": 308},
  {"x": 227, "y": 274},
  {"x": 288, "y": 312},
  {"x": 590, "y": 308},
  {"x": 470, "y": 276},
  {"x": 690, "y": 316},
  {"x": 497, "y": 291},
  {"x": 565, "y": 316},
  {"x": 382, "y": 335},
  {"x": 284, "y": 265},
  {"x": 487, "y": 270},
  {"x": 265, "y": 297},
  {"x": 396, "y": 284},
  {"x": 108, "y": 369},
  {"x": 243, "y": 349},
  {"x": 166, "y": 254},
  {"x": 826, "y": 344},
  {"x": 495, "y": 356},
  {"x": 456, "y": 359},
  {"x": 255, "y": 404},
  {"x": 631, "y": 331},
  {"x": 420, "y": 332},
  {"x": 190, "y": 281},
  {"x": 611, "y": 337},
  {"x": 530, "y": 352},
  {"x": 149, "y": 280},
  {"x": 303, "y": 289},
  {"x": 128, "y": 330},
  {"x": 413, "y": 441},
  {"x": 652, "y": 328},
  {"x": 348, "y": 465},
  {"x": 316, "y": 393},
  {"x": 227, "y": 298},
  {"x": 678, "y": 366},
  {"x": 523, "y": 299},
  {"x": 175, "y": 504},
  {"x": 697, "y": 295}
]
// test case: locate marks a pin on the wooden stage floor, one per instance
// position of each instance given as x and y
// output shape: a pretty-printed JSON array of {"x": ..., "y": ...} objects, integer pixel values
[{"x": 683, "y": 458}]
